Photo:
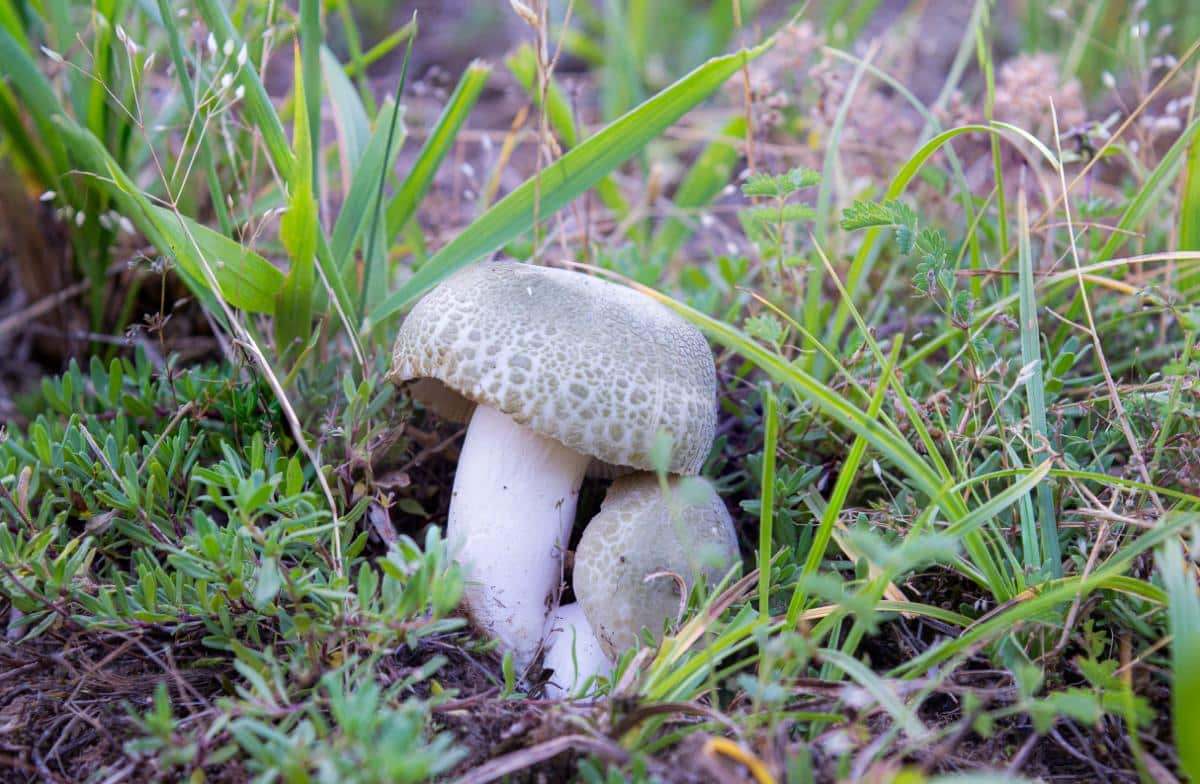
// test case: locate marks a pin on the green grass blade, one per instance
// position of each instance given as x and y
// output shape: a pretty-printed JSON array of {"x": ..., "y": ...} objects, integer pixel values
[
  {"x": 933, "y": 482},
  {"x": 375, "y": 258},
  {"x": 887, "y": 697},
  {"x": 997, "y": 580},
  {"x": 1183, "y": 620},
  {"x": 523, "y": 64},
  {"x": 766, "y": 515},
  {"x": 860, "y": 266},
  {"x": 24, "y": 151},
  {"x": 260, "y": 112},
  {"x": 310, "y": 72},
  {"x": 346, "y": 110},
  {"x": 380, "y": 50},
  {"x": 247, "y": 280},
  {"x": 1046, "y": 552},
  {"x": 1050, "y": 594},
  {"x": 829, "y": 166},
  {"x": 704, "y": 181},
  {"x": 38, "y": 95},
  {"x": 1189, "y": 218},
  {"x": 355, "y": 68},
  {"x": 1002, "y": 500},
  {"x": 1154, "y": 188},
  {"x": 378, "y": 156},
  {"x": 568, "y": 177},
  {"x": 404, "y": 204},
  {"x": 837, "y": 499},
  {"x": 620, "y": 84},
  {"x": 298, "y": 230},
  {"x": 244, "y": 279},
  {"x": 207, "y": 160}
]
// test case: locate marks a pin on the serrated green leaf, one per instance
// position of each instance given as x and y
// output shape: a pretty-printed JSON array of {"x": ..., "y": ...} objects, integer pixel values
[
  {"x": 864, "y": 215},
  {"x": 761, "y": 184},
  {"x": 931, "y": 246}
]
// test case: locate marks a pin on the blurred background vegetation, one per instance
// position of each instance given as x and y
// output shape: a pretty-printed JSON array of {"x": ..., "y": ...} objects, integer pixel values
[{"x": 947, "y": 254}]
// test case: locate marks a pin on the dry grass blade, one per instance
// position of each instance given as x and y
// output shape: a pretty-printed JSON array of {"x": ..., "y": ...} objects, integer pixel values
[
  {"x": 517, "y": 761},
  {"x": 1114, "y": 395}
]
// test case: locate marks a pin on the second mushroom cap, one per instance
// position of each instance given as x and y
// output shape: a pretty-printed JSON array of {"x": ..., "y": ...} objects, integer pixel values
[{"x": 635, "y": 552}]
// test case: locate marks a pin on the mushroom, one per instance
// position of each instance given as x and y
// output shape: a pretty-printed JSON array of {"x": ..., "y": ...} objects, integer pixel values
[
  {"x": 555, "y": 370},
  {"x": 641, "y": 555},
  {"x": 572, "y": 652}
]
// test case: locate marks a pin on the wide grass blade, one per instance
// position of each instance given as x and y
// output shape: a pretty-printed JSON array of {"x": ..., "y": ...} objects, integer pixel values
[
  {"x": 310, "y": 81},
  {"x": 1189, "y": 218},
  {"x": 378, "y": 156},
  {"x": 404, "y": 204},
  {"x": 298, "y": 230},
  {"x": 245, "y": 279},
  {"x": 1140, "y": 204},
  {"x": 1183, "y": 620},
  {"x": 568, "y": 177},
  {"x": 704, "y": 181},
  {"x": 37, "y": 94},
  {"x": 347, "y": 112},
  {"x": 523, "y": 64},
  {"x": 1046, "y": 552}
]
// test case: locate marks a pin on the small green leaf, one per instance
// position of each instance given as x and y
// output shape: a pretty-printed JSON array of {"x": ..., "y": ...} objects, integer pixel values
[
  {"x": 295, "y": 477},
  {"x": 268, "y": 584}
]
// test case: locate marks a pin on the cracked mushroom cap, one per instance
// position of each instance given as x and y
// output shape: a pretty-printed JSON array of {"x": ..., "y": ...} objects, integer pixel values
[
  {"x": 631, "y": 552},
  {"x": 596, "y": 366}
]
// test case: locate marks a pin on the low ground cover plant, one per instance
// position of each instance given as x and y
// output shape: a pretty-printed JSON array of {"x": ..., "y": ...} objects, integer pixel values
[{"x": 947, "y": 257}]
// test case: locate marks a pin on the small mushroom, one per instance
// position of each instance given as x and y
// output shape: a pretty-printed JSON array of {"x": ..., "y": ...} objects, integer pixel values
[
  {"x": 554, "y": 370},
  {"x": 641, "y": 555}
]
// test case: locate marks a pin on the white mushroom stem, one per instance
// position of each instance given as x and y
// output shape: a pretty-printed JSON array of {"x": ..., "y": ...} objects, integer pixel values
[
  {"x": 573, "y": 652},
  {"x": 510, "y": 518}
]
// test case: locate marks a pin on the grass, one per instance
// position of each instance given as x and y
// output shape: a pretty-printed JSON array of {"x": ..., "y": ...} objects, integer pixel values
[{"x": 956, "y": 339}]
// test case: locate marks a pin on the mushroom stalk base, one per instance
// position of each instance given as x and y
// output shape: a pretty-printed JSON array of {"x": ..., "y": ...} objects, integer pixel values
[
  {"x": 510, "y": 519},
  {"x": 573, "y": 652}
]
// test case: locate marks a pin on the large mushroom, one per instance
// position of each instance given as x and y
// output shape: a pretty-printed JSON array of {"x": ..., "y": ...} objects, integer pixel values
[
  {"x": 638, "y": 559},
  {"x": 555, "y": 370}
]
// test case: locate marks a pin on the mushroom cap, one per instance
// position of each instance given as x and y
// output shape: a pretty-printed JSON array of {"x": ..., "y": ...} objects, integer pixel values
[
  {"x": 640, "y": 532},
  {"x": 596, "y": 366}
]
